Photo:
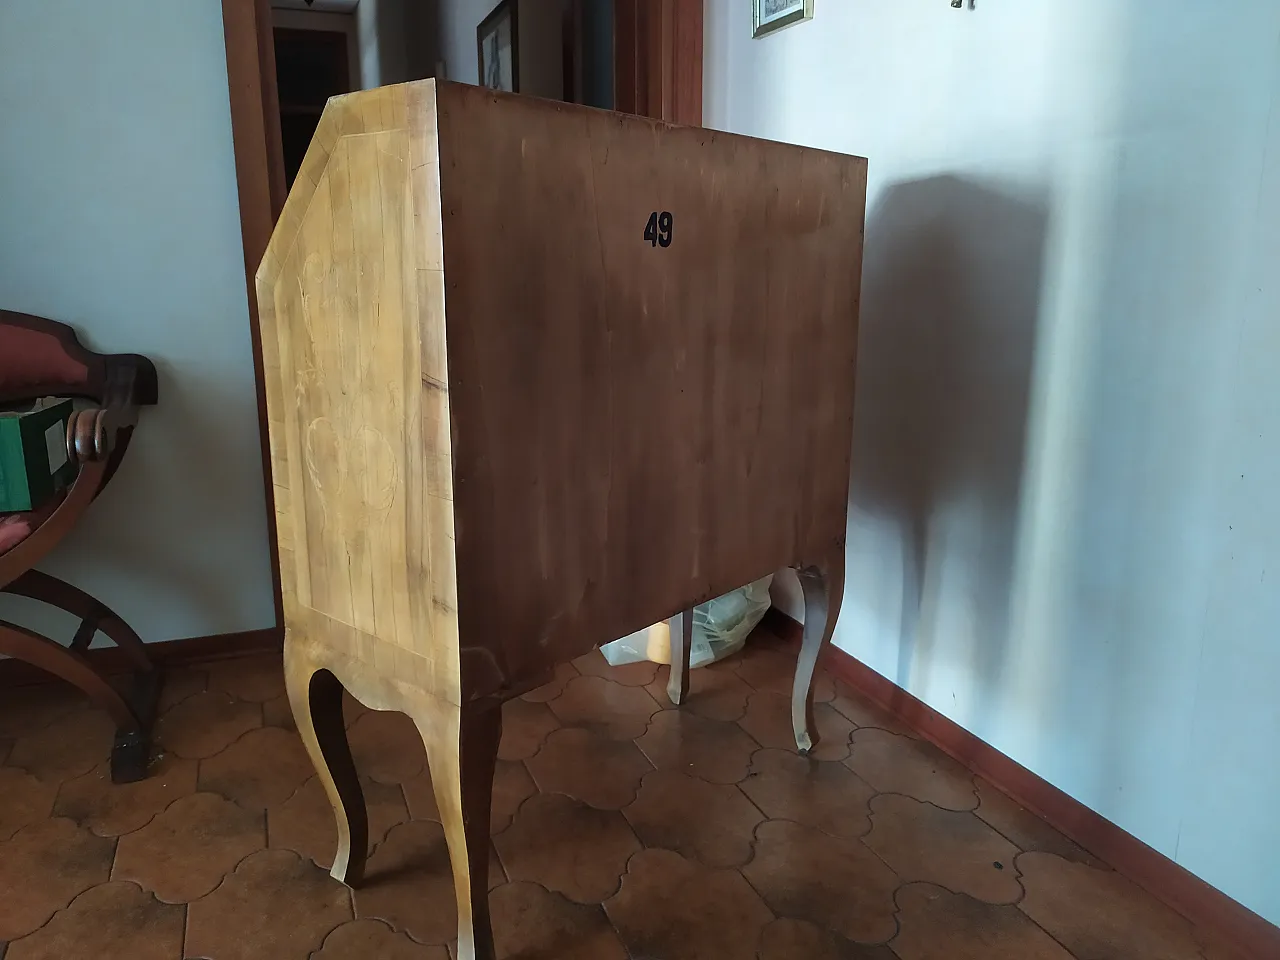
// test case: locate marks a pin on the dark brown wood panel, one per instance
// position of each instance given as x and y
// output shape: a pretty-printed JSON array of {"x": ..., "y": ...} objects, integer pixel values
[
  {"x": 658, "y": 59},
  {"x": 259, "y": 158},
  {"x": 638, "y": 428}
]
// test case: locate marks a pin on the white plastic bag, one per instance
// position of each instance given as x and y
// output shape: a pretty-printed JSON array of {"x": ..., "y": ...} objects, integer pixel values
[{"x": 720, "y": 629}]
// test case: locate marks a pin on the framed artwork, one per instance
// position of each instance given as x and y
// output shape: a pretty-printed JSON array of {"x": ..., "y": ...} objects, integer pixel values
[
  {"x": 498, "y": 49},
  {"x": 768, "y": 16}
]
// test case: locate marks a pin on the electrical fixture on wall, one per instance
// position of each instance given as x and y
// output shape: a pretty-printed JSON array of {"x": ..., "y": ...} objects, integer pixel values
[{"x": 958, "y": 4}]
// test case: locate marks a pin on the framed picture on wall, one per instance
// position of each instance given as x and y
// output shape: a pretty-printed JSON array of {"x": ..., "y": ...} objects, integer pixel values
[
  {"x": 498, "y": 49},
  {"x": 769, "y": 16}
]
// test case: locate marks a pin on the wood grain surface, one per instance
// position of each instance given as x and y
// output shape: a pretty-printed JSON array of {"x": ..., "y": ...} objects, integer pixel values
[
  {"x": 538, "y": 376},
  {"x": 351, "y": 300},
  {"x": 638, "y": 428}
]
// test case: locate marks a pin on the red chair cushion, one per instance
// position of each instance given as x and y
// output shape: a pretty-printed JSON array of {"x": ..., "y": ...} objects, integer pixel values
[
  {"x": 14, "y": 528},
  {"x": 30, "y": 358}
]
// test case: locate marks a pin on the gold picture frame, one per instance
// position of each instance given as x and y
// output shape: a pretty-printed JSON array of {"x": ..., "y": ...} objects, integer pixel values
[{"x": 770, "y": 16}]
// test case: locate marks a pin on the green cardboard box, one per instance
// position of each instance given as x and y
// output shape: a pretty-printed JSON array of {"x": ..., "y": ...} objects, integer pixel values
[{"x": 33, "y": 454}]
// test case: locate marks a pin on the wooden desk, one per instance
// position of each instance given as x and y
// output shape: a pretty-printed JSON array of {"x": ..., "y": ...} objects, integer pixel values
[{"x": 539, "y": 376}]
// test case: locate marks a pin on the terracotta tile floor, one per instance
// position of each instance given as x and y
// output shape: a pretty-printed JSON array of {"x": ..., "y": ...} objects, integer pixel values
[{"x": 621, "y": 828}]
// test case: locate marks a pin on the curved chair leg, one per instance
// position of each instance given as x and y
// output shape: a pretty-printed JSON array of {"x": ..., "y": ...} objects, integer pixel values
[
  {"x": 315, "y": 696},
  {"x": 462, "y": 749},
  {"x": 681, "y": 639},
  {"x": 823, "y": 588},
  {"x": 58, "y": 593},
  {"x": 131, "y": 752}
]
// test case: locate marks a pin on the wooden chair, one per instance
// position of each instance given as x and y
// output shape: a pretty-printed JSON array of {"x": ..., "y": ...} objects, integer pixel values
[{"x": 43, "y": 358}]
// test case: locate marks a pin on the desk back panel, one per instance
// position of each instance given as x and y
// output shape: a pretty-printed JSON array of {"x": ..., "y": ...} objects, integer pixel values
[
  {"x": 539, "y": 375},
  {"x": 647, "y": 412}
]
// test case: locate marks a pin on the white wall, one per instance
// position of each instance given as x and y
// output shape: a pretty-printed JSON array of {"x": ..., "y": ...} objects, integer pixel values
[
  {"x": 539, "y": 29},
  {"x": 398, "y": 40},
  {"x": 118, "y": 215},
  {"x": 1064, "y": 527},
  {"x": 458, "y": 22}
]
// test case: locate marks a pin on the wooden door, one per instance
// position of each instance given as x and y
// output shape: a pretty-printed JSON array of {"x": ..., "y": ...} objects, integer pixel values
[{"x": 658, "y": 59}]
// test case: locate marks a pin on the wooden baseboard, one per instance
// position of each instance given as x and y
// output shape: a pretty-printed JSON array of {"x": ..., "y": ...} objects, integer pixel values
[
  {"x": 1169, "y": 882},
  {"x": 169, "y": 653}
]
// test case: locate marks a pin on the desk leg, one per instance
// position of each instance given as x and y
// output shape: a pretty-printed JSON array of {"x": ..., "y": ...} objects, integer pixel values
[
  {"x": 315, "y": 696},
  {"x": 462, "y": 750},
  {"x": 823, "y": 588},
  {"x": 681, "y": 626}
]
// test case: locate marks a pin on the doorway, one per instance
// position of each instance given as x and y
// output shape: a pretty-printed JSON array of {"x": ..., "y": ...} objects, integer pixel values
[
  {"x": 656, "y": 71},
  {"x": 316, "y": 58}
]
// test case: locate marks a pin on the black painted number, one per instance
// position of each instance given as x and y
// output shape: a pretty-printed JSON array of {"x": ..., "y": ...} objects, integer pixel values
[{"x": 658, "y": 230}]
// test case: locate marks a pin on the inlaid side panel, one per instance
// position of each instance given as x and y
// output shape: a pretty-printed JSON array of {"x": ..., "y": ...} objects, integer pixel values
[{"x": 358, "y": 393}]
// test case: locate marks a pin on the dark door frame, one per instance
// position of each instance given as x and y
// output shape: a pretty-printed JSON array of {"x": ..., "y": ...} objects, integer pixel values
[
  {"x": 658, "y": 59},
  {"x": 657, "y": 73}
]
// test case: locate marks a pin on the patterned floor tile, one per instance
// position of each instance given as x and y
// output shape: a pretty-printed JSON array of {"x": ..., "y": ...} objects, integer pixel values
[
  {"x": 710, "y": 822},
  {"x": 114, "y": 809},
  {"x": 605, "y": 707},
  {"x": 1099, "y": 915},
  {"x": 263, "y": 768},
  {"x": 279, "y": 713},
  {"x": 768, "y": 721},
  {"x": 799, "y": 940},
  {"x": 831, "y": 882},
  {"x": 25, "y": 710},
  {"x": 940, "y": 925},
  {"x": 678, "y": 909},
  {"x": 826, "y": 796},
  {"x": 897, "y": 764},
  {"x": 112, "y": 921},
  {"x": 67, "y": 747},
  {"x": 374, "y": 940},
  {"x": 953, "y": 849},
  {"x": 206, "y": 723},
  {"x": 567, "y": 847},
  {"x": 1027, "y": 831},
  {"x": 530, "y": 921},
  {"x": 579, "y": 763},
  {"x": 257, "y": 678},
  {"x": 861, "y": 712},
  {"x": 716, "y": 751},
  {"x": 715, "y": 692},
  {"x": 525, "y": 726},
  {"x": 386, "y": 746},
  {"x": 773, "y": 670},
  {"x": 564, "y": 672},
  {"x": 512, "y": 785},
  {"x": 305, "y": 823},
  {"x": 43, "y": 868},
  {"x": 409, "y": 885},
  {"x": 180, "y": 683},
  {"x": 24, "y": 800},
  {"x": 275, "y": 904},
  {"x": 183, "y": 853},
  {"x": 814, "y": 882},
  {"x": 639, "y": 674}
]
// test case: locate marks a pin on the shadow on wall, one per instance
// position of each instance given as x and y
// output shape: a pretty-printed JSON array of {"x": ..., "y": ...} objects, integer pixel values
[{"x": 950, "y": 297}]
